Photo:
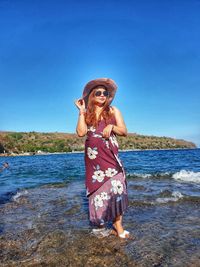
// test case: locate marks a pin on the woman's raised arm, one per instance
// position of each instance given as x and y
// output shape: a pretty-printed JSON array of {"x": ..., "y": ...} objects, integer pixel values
[{"x": 81, "y": 128}]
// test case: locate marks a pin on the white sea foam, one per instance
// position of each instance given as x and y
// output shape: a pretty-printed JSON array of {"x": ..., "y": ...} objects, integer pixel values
[
  {"x": 19, "y": 194},
  {"x": 187, "y": 176},
  {"x": 144, "y": 175},
  {"x": 148, "y": 175},
  {"x": 141, "y": 175},
  {"x": 176, "y": 195}
]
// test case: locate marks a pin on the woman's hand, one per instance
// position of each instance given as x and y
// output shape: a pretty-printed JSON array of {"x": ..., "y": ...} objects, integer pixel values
[
  {"x": 107, "y": 131},
  {"x": 80, "y": 103},
  {"x": 81, "y": 128}
]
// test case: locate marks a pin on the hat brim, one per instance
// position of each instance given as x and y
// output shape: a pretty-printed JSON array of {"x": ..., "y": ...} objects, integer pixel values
[{"x": 108, "y": 83}]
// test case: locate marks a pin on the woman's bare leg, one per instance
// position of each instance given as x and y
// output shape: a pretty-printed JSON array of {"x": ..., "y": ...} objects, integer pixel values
[{"x": 118, "y": 224}]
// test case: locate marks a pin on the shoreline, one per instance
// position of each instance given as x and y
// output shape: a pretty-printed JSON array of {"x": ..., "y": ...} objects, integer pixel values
[
  {"x": 59, "y": 222},
  {"x": 82, "y": 151}
]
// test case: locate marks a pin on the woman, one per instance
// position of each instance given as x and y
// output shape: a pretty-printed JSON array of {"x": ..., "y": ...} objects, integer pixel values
[{"x": 106, "y": 184}]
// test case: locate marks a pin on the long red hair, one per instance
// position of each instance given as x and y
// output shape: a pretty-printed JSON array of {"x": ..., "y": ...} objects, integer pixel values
[{"x": 91, "y": 112}]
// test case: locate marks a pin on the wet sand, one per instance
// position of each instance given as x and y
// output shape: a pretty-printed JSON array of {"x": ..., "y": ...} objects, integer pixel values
[{"x": 48, "y": 226}]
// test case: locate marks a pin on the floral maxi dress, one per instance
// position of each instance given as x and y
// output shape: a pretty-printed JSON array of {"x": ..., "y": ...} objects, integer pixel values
[{"x": 106, "y": 185}]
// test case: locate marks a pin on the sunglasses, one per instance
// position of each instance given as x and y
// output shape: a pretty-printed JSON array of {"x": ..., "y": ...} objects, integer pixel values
[{"x": 99, "y": 93}]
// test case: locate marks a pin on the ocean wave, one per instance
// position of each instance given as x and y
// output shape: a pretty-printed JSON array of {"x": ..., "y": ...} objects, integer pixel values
[
  {"x": 165, "y": 197},
  {"x": 19, "y": 194},
  {"x": 187, "y": 176},
  {"x": 175, "y": 196},
  {"x": 149, "y": 175},
  {"x": 183, "y": 175}
]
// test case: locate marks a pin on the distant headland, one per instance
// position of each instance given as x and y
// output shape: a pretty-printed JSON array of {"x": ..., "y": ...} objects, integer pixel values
[{"x": 31, "y": 143}]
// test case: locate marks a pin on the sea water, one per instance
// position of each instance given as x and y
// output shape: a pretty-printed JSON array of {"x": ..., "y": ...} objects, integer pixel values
[{"x": 42, "y": 192}]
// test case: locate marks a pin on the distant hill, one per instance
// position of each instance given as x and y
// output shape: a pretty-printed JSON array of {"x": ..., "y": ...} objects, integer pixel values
[{"x": 32, "y": 142}]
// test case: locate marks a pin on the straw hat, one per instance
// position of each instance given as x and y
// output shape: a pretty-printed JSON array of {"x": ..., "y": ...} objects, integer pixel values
[{"x": 108, "y": 83}]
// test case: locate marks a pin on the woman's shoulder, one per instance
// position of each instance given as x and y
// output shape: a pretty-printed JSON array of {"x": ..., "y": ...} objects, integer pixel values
[
  {"x": 114, "y": 109},
  {"x": 116, "y": 113}
]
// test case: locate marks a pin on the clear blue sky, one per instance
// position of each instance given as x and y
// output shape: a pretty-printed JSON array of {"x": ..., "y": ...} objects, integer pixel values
[{"x": 50, "y": 49}]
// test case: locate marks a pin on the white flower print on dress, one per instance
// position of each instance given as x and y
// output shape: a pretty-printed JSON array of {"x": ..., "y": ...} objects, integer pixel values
[
  {"x": 107, "y": 144},
  {"x": 98, "y": 175},
  {"x": 104, "y": 195},
  {"x": 110, "y": 172},
  {"x": 119, "y": 198},
  {"x": 92, "y": 129},
  {"x": 98, "y": 202},
  {"x": 113, "y": 140},
  {"x": 97, "y": 135},
  {"x": 92, "y": 152},
  {"x": 117, "y": 187}
]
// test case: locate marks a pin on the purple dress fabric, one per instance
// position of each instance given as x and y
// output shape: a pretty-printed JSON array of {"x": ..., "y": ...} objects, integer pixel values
[{"x": 106, "y": 185}]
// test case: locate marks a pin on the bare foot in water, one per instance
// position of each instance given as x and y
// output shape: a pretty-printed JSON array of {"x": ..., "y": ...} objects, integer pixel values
[
  {"x": 113, "y": 232},
  {"x": 119, "y": 231}
]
